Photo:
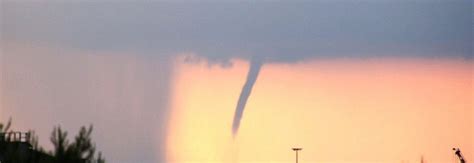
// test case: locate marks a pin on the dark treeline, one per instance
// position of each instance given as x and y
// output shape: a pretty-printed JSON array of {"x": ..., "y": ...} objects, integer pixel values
[{"x": 80, "y": 150}]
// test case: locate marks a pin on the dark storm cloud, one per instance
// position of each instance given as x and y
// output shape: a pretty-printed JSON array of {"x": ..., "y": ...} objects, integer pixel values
[{"x": 274, "y": 30}]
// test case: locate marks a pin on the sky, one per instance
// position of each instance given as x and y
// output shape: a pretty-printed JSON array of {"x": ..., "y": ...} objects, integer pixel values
[{"x": 349, "y": 81}]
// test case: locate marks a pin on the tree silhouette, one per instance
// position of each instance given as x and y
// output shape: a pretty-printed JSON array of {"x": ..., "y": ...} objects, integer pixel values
[
  {"x": 34, "y": 141},
  {"x": 6, "y": 128},
  {"x": 60, "y": 143},
  {"x": 81, "y": 150}
]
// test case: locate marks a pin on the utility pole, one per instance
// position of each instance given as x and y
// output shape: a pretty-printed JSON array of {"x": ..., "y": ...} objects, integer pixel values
[{"x": 296, "y": 150}]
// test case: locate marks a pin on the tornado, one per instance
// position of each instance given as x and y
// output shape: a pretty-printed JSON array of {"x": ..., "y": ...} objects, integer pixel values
[{"x": 255, "y": 66}]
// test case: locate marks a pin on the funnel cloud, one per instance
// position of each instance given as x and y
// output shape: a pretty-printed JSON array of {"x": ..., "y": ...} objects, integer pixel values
[{"x": 255, "y": 66}]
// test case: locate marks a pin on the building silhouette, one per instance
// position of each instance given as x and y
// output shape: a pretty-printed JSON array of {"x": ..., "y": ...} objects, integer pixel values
[{"x": 16, "y": 148}]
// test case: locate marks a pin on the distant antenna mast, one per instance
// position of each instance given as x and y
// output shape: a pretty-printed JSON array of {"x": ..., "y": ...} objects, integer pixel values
[
  {"x": 296, "y": 150},
  {"x": 457, "y": 151}
]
